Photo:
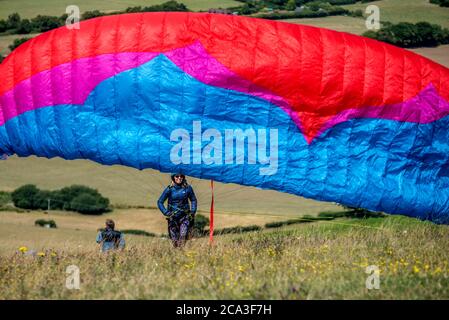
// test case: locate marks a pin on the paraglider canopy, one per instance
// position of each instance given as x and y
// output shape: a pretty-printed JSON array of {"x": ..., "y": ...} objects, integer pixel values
[{"x": 309, "y": 111}]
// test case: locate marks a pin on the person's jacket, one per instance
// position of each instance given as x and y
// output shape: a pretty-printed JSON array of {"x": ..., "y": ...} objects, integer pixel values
[
  {"x": 178, "y": 201},
  {"x": 110, "y": 240}
]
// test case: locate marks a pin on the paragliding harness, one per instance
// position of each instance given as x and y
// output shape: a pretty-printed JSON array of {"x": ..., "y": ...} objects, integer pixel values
[
  {"x": 172, "y": 220},
  {"x": 109, "y": 235}
]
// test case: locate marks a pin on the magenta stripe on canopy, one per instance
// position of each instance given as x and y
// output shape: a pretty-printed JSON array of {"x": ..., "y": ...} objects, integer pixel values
[{"x": 426, "y": 107}]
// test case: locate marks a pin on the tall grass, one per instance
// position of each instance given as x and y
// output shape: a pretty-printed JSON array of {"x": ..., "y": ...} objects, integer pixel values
[{"x": 325, "y": 260}]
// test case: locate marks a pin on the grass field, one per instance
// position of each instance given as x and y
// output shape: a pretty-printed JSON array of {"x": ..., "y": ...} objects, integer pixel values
[
  {"x": 440, "y": 54},
  {"x": 6, "y": 41},
  {"x": 325, "y": 260},
  {"x": 337, "y": 23},
  {"x": 407, "y": 11},
  {"x": 32, "y": 8}
]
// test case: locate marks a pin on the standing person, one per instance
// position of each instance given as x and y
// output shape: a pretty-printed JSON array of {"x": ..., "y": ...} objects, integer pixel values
[
  {"x": 109, "y": 238},
  {"x": 179, "y": 213}
]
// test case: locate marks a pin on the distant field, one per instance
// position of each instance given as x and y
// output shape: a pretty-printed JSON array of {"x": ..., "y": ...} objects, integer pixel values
[
  {"x": 31, "y": 8},
  {"x": 6, "y": 41},
  {"x": 129, "y": 186},
  {"x": 338, "y": 23},
  {"x": 440, "y": 54},
  {"x": 17, "y": 229},
  {"x": 74, "y": 229},
  {"x": 407, "y": 11}
]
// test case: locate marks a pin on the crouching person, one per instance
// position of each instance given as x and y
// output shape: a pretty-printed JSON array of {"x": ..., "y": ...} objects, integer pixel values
[{"x": 109, "y": 238}]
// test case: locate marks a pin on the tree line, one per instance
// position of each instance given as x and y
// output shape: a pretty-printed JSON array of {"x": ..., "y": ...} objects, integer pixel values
[
  {"x": 411, "y": 35},
  {"x": 308, "y": 6},
  {"x": 77, "y": 198}
]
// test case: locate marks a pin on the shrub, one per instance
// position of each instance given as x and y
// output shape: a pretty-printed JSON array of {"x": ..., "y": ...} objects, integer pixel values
[
  {"x": 356, "y": 13},
  {"x": 138, "y": 232},
  {"x": 276, "y": 224},
  {"x": 89, "y": 204},
  {"x": 45, "y": 223},
  {"x": 290, "y": 5},
  {"x": 24, "y": 197},
  {"x": 13, "y": 21},
  {"x": 363, "y": 213},
  {"x": 441, "y": 3},
  {"x": 304, "y": 219},
  {"x": 237, "y": 229},
  {"x": 3, "y": 26},
  {"x": 41, "y": 199},
  {"x": 5, "y": 198},
  {"x": 45, "y": 23},
  {"x": 75, "y": 198},
  {"x": 313, "y": 9},
  {"x": 82, "y": 199},
  {"x": 68, "y": 193},
  {"x": 24, "y": 27},
  {"x": 352, "y": 212},
  {"x": 201, "y": 222},
  {"x": 30, "y": 197},
  {"x": 342, "y": 2},
  {"x": 230, "y": 230},
  {"x": 247, "y": 9},
  {"x": 409, "y": 35},
  {"x": 17, "y": 42},
  {"x": 339, "y": 214},
  {"x": 166, "y": 6},
  {"x": 91, "y": 14}
]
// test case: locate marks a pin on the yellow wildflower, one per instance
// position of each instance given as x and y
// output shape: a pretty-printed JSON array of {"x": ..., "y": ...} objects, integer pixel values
[
  {"x": 271, "y": 252},
  {"x": 41, "y": 254},
  {"x": 437, "y": 270},
  {"x": 23, "y": 249}
]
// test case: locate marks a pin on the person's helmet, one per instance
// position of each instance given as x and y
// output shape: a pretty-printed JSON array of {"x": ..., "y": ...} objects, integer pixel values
[{"x": 176, "y": 174}]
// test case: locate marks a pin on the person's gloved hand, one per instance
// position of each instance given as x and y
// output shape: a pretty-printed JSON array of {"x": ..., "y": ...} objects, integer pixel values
[{"x": 169, "y": 216}]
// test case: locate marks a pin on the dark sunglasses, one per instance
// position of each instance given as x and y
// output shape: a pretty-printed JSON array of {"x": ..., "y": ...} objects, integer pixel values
[{"x": 179, "y": 176}]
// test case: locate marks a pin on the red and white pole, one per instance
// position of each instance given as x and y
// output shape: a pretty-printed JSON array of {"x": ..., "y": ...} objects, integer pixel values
[{"x": 211, "y": 219}]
